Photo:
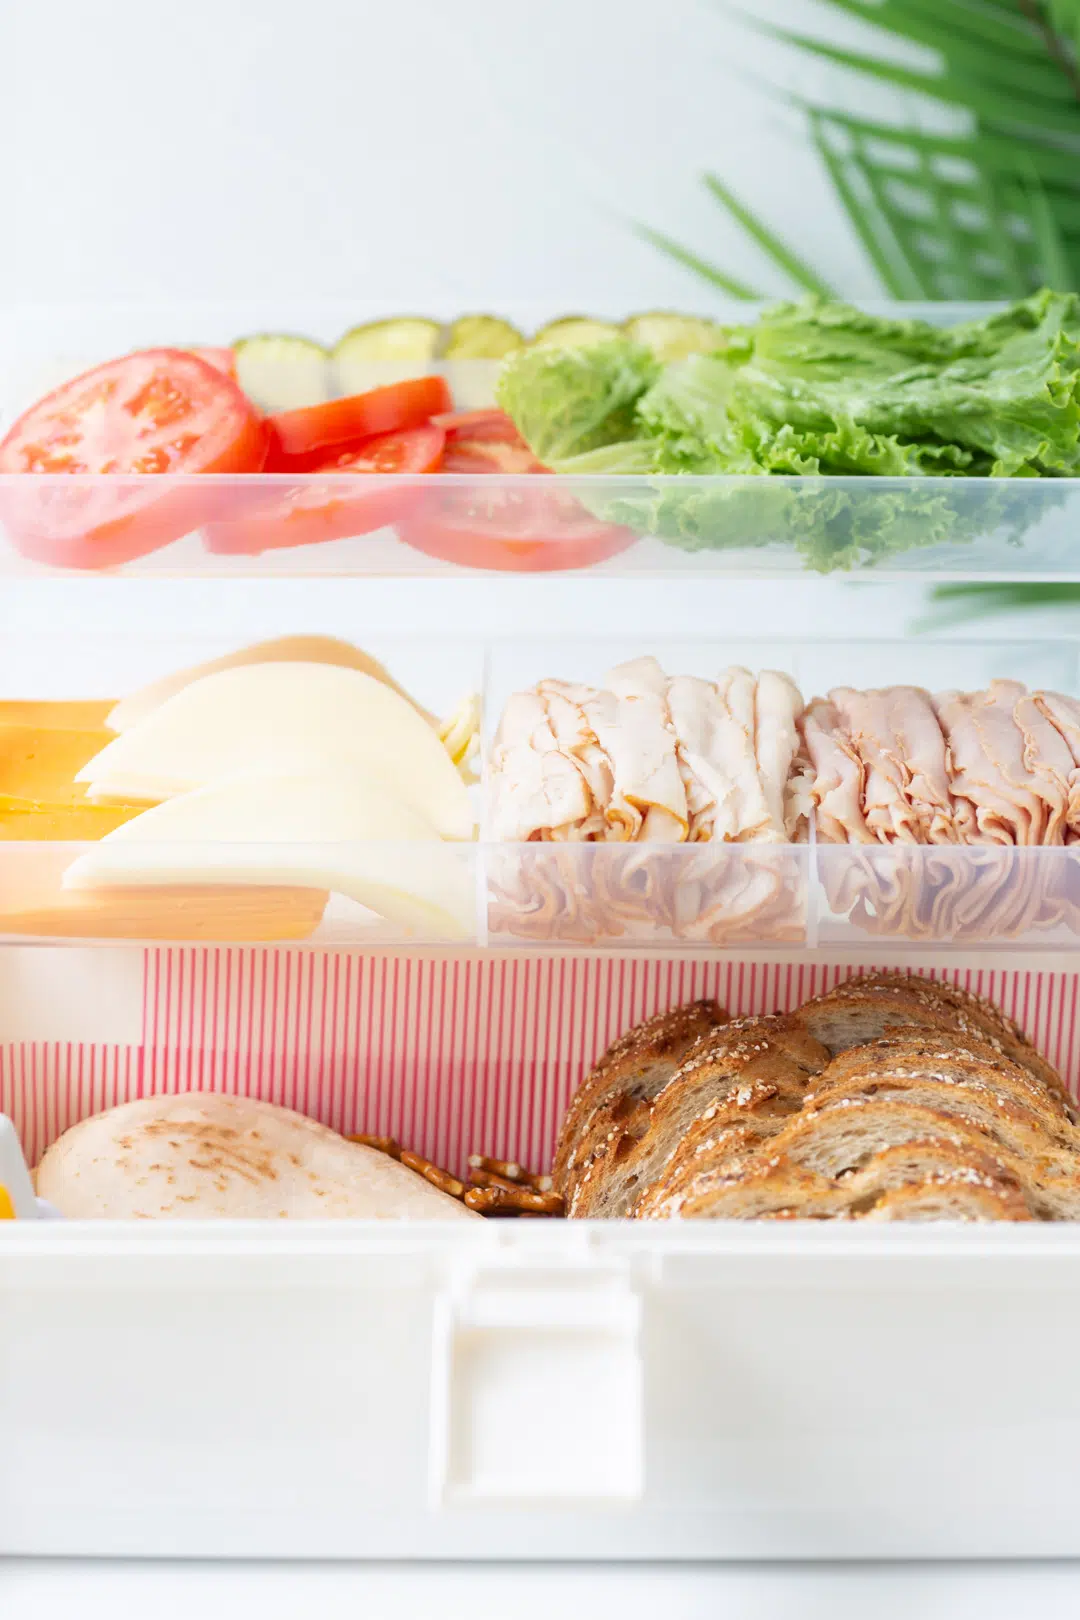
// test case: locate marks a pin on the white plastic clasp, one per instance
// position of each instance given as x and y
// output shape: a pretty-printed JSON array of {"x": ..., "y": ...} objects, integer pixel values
[{"x": 537, "y": 1384}]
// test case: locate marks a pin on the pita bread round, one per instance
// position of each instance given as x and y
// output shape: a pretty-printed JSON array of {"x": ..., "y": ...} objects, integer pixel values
[{"x": 202, "y": 1155}]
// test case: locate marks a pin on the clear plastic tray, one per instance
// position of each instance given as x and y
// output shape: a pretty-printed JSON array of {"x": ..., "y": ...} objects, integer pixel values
[
  {"x": 750, "y": 527},
  {"x": 452, "y": 524},
  {"x": 607, "y": 897}
]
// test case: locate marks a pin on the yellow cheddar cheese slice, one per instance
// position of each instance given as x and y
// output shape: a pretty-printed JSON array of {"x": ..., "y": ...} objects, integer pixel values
[
  {"x": 225, "y": 916},
  {"x": 212, "y": 915},
  {"x": 33, "y": 903},
  {"x": 39, "y": 797},
  {"x": 39, "y": 764},
  {"x": 22, "y": 820},
  {"x": 56, "y": 716}
]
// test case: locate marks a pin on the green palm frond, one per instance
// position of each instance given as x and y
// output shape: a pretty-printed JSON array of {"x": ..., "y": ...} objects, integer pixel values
[
  {"x": 959, "y": 604},
  {"x": 801, "y": 273},
  {"x": 701, "y": 267},
  {"x": 1064, "y": 18},
  {"x": 988, "y": 212}
]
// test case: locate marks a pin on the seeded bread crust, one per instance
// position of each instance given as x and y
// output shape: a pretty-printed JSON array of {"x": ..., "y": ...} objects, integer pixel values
[
  {"x": 893, "y": 1097},
  {"x": 627, "y": 1077},
  {"x": 872, "y": 1004},
  {"x": 970, "y": 1112},
  {"x": 751, "y": 1073}
]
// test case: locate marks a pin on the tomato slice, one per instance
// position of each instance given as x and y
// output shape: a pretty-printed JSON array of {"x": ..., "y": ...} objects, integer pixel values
[
  {"x": 333, "y": 503},
  {"x": 489, "y": 456},
  {"x": 485, "y": 424},
  {"x": 318, "y": 428},
  {"x": 528, "y": 530},
  {"x": 485, "y": 442},
  {"x": 146, "y": 421},
  {"x": 221, "y": 359}
]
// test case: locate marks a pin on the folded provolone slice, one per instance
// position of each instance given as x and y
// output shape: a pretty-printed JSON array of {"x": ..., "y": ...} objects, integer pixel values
[
  {"x": 328, "y": 828},
  {"x": 285, "y": 650},
  {"x": 283, "y": 717}
]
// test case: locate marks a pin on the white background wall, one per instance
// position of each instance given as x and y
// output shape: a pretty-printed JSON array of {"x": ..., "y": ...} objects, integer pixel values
[
  {"x": 279, "y": 155},
  {"x": 416, "y": 152}
]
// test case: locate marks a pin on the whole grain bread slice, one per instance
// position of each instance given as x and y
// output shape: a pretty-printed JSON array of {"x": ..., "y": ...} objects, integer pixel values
[
  {"x": 868, "y": 1006},
  {"x": 629, "y": 1074},
  {"x": 838, "y": 1139},
  {"x": 748, "y": 1070},
  {"x": 832, "y": 1143},
  {"x": 929, "y": 1155},
  {"x": 946, "y": 1061}
]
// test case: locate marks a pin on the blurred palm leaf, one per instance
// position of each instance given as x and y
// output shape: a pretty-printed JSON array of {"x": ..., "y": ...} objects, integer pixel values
[
  {"x": 1064, "y": 17},
  {"x": 958, "y": 604},
  {"x": 989, "y": 211}
]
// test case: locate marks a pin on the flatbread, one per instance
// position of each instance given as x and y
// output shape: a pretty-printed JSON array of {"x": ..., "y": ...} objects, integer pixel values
[{"x": 201, "y": 1155}]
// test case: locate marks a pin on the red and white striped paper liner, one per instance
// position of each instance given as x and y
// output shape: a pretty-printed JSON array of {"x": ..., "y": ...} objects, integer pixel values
[{"x": 448, "y": 1055}]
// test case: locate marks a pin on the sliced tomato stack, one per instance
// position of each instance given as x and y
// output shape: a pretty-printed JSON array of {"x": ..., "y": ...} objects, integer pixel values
[
  {"x": 164, "y": 412},
  {"x": 334, "y": 499},
  {"x": 348, "y": 451},
  {"x": 485, "y": 442},
  {"x": 345, "y": 468},
  {"x": 524, "y": 527}
]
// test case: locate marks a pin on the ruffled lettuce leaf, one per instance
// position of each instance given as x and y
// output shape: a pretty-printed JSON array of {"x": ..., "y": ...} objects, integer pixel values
[
  {"x": 565, "y": 402},
  {"x": 825, "y": 521},
  {"x": 816, "y": 390}
]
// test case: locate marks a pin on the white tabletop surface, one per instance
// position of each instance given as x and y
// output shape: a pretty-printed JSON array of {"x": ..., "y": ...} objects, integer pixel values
[{"x": 106, "y": 1591}]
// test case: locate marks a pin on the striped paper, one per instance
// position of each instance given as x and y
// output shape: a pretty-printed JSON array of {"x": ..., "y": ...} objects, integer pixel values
[{"x": 477, "y": 1053}]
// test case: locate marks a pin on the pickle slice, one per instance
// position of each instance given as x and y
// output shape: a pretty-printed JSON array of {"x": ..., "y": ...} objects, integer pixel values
[
  {"x": 574, "y": 332},
  {"x": 382, "y": 352},
  {"x": 481, "y": 337},
  {"x": 475, "y": 348},
  {"x": 282, "y": 373},
  {"x": 673, "y": 337}
]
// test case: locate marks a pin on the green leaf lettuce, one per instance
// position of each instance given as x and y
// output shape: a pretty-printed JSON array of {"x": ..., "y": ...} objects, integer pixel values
[{"x": 818, "y": 390}]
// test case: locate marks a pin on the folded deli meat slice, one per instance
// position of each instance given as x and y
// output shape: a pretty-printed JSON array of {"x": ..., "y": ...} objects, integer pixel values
[
  {"x": 839, "y": 777},
  {"x": 1064, "y": 714},
  {"x": 648, "y": 758},
  {"x": 541, "y": 790},
  {"x": 578, "y": 893},
  {"x": 901, "y": 751},
  {"x": 782, "y": 766},
  {"x": 1010, "y": 766},
  {"x": 981, "y": 892},
  {"x": 634, "y": 732},
  {"x": 900, "y": 766}
]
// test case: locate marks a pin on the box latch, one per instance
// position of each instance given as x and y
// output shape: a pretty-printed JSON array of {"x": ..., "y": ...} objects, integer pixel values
[{"x": 537, "y": 1388}]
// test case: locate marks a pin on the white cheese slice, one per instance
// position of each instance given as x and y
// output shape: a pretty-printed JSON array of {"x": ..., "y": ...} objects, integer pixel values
[
  {"x": 286, "y": 649},
  {"x": 329, "y": 827},
  {"x": 280, "y": 717}
]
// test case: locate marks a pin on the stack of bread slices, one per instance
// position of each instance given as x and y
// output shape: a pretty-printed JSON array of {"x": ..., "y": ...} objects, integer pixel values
[{"x": 890, "y": 1098}]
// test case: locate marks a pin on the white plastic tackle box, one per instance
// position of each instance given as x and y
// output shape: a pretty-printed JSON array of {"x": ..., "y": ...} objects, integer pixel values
[
  {"x": 514, "y": 1388},
  {"x": 527, "y": 1389}
]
